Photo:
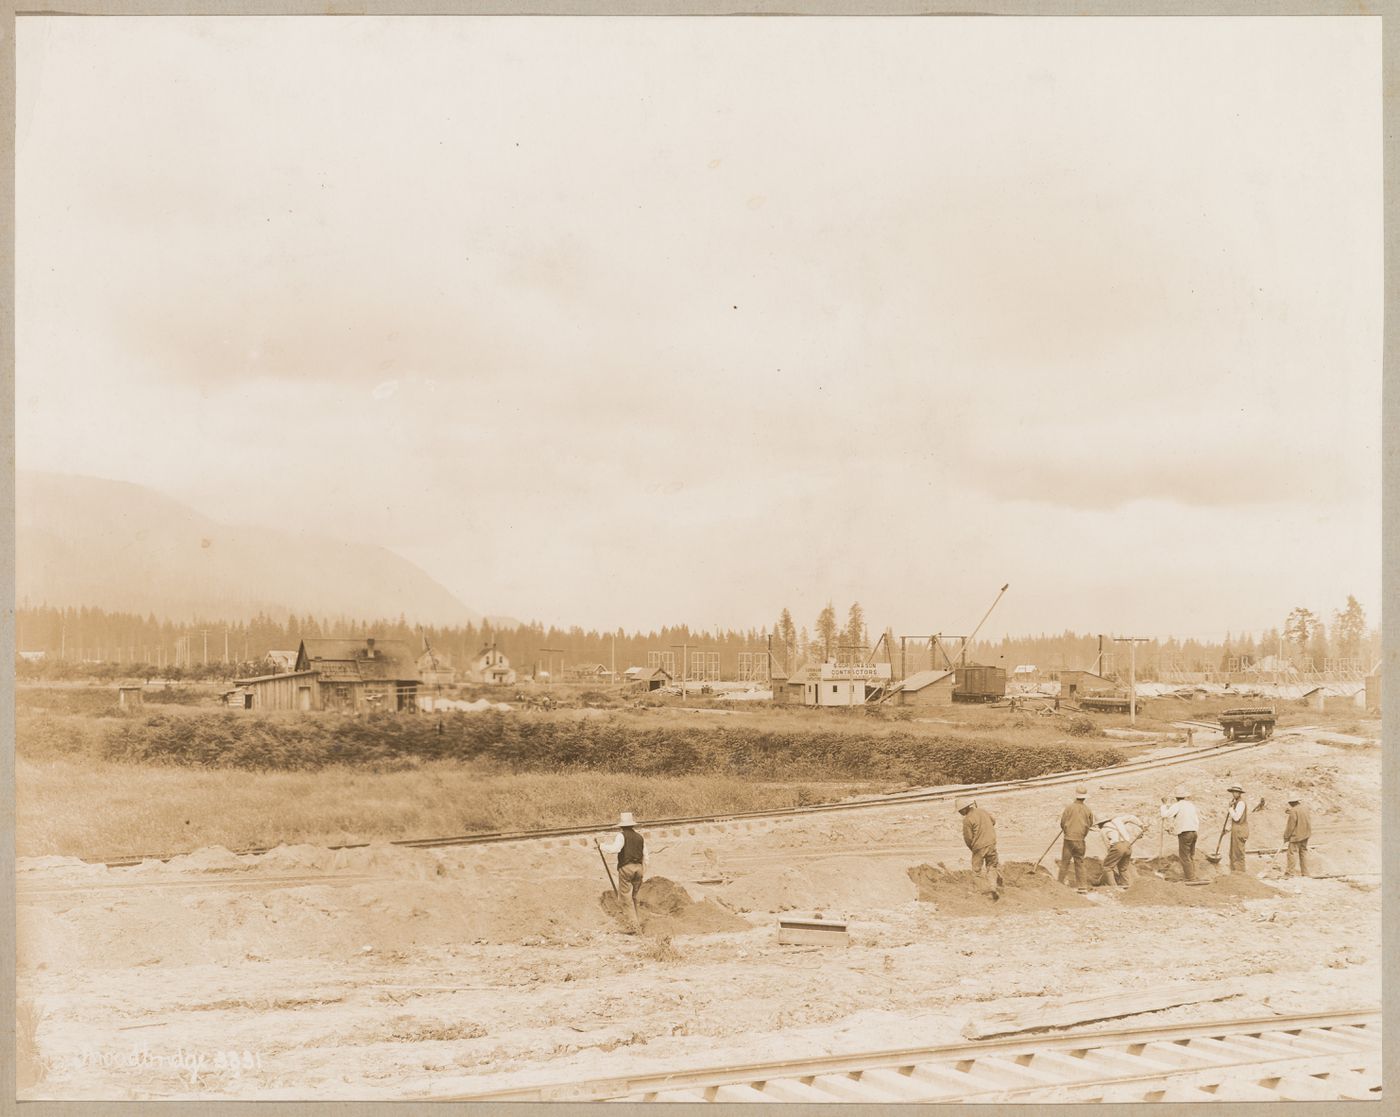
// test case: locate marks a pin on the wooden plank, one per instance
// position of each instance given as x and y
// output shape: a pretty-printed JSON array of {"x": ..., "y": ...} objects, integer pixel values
[{"x": 1087, "y": 1010}]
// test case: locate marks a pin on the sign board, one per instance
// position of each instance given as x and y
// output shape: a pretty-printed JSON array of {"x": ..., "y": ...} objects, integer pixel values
[{"x": 855, "y": 671}]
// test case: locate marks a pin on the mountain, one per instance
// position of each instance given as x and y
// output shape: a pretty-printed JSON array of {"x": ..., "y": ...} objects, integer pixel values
[{"x": 119, "y": 546}]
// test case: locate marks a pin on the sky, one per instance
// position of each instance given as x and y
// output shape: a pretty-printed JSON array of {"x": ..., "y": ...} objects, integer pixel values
[{"x": 632, "y": 322}]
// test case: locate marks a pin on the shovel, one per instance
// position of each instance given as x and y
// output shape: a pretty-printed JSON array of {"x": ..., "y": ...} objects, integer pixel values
[
  {"x": 1214, "y": 858},
  {"x": 607, "y": 870}
]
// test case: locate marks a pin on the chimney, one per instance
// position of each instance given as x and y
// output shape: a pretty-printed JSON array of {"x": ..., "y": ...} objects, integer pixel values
[{"x": 369, "y": 643}]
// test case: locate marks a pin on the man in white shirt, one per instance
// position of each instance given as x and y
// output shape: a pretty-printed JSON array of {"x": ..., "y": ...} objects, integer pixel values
[
  {"x": 1185, "y": 822},
  {"x": 1119, "y": 834},
  {"x": 632, "y": 862}
]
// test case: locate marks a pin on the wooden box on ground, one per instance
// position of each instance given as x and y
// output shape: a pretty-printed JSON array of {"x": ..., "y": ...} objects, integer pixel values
[{"x": 812, "y": 932}]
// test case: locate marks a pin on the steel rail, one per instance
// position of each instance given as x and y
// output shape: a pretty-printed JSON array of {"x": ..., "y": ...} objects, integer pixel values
[
  {"x": 894, "y": 799},
  {"x": 1345, "y": 1034}
]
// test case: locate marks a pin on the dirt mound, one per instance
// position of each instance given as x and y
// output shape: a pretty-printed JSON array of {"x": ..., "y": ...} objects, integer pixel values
[
  {"x": 962, "y": 892},
  {"x": 1148, "y": 889},
  {"x": 667, "y": 909}
]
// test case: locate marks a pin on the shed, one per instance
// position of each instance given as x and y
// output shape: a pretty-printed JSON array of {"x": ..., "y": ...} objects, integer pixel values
[
  {"x": 286, "y": 690},
  {"x": 650, "y": 678},
  {"x": 128, "y": 696},
  {"x": 926, "y": 688},
  {"x": 1074, "y": 683}
]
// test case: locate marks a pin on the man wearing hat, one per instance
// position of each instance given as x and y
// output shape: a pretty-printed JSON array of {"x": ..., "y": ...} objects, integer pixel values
[
  {"x": 1297, "y": 829},
  {"x": 980, "y": 834},
  {"x": 1185, "y": 822},
  {"x": 1119, "y": 834},
  {"x": 632, "y": 861},
  {"x": 1237, "y": 822},
  {"x": 1074, "y": 825}
]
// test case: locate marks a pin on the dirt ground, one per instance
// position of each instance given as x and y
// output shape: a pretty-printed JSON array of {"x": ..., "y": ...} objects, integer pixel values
[{"x": 390, "y": 973}]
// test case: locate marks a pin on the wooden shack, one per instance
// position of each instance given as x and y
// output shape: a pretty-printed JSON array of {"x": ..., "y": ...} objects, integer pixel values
[
  {"x": 925, "y": 688},
  {"x": 338, "y": 673}
]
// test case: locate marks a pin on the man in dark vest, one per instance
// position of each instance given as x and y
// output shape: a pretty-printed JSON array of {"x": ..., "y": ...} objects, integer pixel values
[
  {"x": 1238, "y": 824},
  {"x": 632, "y": 859}
]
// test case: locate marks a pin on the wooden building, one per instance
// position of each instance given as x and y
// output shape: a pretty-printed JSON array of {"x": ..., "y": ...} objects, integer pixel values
[
  {"x": 650, "y": 678},
  {"x": 345, "y": 674},
  {"x": 1075, "y": 683},
  {"x": 435, "y": 668},
  {"x": 844, "y": 684},
  {"x": 492, "y": 667},
  {"x": 926, "y": 688}
]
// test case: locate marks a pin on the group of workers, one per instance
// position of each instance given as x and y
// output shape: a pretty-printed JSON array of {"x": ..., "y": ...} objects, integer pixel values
[{"x": 1121, "y": 832}]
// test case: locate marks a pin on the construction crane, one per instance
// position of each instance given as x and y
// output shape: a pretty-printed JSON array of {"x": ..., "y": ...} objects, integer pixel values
[{"x": 983, "y": 621}]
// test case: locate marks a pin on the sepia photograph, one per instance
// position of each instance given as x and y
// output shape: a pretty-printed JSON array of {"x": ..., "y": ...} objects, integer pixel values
[{"x": 698, "y": 559}]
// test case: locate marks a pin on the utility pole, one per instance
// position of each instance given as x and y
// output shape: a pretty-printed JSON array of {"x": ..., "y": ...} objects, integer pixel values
[
  {"x": 614, "y": 657},
  {"x": 225, "y": 645},
  {"x": 1132, "y": 642},
  {"x": 685, "y": 651},
  {"x": 205, "y": 633},
  {"x": 549, "y": 654}
]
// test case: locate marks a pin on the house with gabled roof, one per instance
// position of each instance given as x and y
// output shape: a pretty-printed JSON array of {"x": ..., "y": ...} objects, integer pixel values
[{"x": 340, "y": 673}]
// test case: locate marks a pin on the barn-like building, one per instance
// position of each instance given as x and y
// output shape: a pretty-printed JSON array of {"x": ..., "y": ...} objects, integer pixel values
[{"x": 339, "y": 673}]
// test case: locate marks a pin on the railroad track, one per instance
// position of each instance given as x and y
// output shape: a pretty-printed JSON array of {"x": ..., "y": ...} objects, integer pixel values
[
  {"x": 1327, "y": 1056},
  {"x": 660, "y": 826}
]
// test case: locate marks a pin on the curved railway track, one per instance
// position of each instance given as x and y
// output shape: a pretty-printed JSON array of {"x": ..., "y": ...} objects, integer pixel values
[
  {"x": 661, "y": 826},
  {"x": 1317, "y": 1056}
]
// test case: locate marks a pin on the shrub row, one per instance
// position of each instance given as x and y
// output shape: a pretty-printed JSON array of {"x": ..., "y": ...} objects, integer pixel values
[{"x": 519, "y": 744}]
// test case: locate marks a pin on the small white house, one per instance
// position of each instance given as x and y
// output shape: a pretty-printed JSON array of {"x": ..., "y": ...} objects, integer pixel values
[
  {"x": 491, "y": 666},
  {"x": 844, "y": 684}
]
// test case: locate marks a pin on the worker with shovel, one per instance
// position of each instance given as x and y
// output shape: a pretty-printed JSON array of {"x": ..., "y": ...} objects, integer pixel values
[
  {"x": 1119, "y": 834},
  {"x": 632, "y": 861},
  {"x": 1075, "y": 824},
  {"x": 1185, "y": 822},
  {"x": 1237, "y": 822},
  {"x": 1297, "y": 829},
  {"x": 980, "y": 835}
]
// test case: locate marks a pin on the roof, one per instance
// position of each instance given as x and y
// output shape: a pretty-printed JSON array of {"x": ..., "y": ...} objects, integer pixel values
[
  {"x": 269, "y": 678},
  {"x": 1024, "y": 669},
  {"x": 636, "y": 673},
  {"x": 348, "y": 658},
  {"x": 921, "y": 679}
]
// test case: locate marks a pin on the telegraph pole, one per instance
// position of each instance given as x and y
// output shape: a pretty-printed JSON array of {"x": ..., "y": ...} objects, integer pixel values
[
  {"x": 685, "y": 650},
  {"x": 205, "y": 633},
  {"x": 549, "y": 653},
  {"x": 1132, "y": 642}
]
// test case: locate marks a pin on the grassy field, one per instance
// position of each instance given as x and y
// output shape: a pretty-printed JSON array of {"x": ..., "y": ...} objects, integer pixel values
[
  {"x": 96, "y": 781},
  {"x": 94, "y": 808}
]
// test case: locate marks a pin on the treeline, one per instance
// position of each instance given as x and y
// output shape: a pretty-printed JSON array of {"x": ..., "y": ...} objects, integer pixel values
[{"x": 93, "y": 643}]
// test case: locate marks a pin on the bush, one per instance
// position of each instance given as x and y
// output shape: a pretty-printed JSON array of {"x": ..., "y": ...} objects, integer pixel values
[
  {"x": 525, "y": 743},
  {"x": 1081, "y": 726}
]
